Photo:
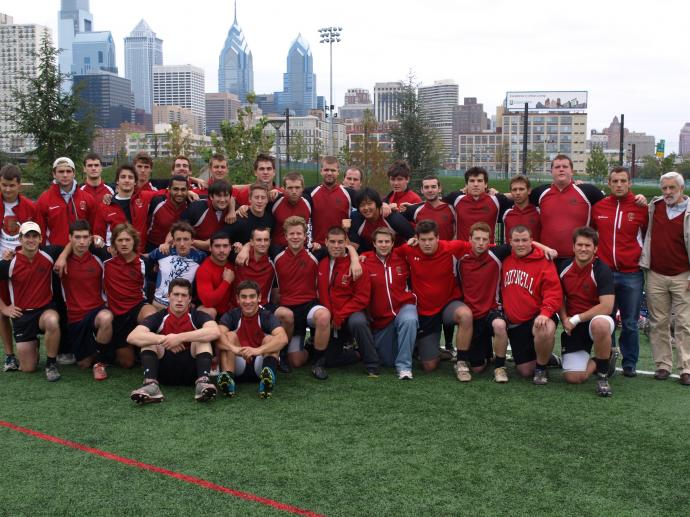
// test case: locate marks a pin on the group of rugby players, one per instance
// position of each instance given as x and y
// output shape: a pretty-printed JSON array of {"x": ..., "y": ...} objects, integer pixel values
[{"x": 202, "y": 280}]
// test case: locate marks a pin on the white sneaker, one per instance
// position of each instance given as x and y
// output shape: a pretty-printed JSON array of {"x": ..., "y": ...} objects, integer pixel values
[
  {"x": 66, "y": 359},
  {"x": 462, "y": 371},
  {"x": 405, "y": 375}
]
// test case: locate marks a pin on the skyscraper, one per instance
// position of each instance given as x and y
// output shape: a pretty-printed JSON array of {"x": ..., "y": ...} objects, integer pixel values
[
  {"x": 74, "y": 17},
  {"x": 387, "y": 100},
  {"x": 438, "y": 102},
  {"x": 92, "y": 52},
  {"x": 219, "y": 107},
  {"x": 143, "y": 50},
  {"x": 108, "y": 96},
  {"x": 299, "y": 82},
  {"x": 181, "y": 85},
  {"x": 18, "y": 60},
  {"x": 684, "y": 140},
  {"x": 235, "y": 65}
]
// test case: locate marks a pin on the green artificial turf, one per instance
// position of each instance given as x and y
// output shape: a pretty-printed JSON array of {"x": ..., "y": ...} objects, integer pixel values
[{"x": 351, "y": 446}]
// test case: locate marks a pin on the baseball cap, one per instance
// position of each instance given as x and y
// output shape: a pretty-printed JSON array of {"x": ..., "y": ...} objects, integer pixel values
[
  {"x": 63, "y": 160},
  {"x": 29, "y": 226}
]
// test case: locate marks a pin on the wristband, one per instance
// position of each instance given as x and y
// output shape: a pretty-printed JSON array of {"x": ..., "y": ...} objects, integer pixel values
[{"x": 574, "y": 320}]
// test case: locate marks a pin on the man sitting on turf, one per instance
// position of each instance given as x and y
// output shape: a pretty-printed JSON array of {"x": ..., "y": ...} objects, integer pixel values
[
  {"x": 175, "y": 347},
  {"x": 250, "y": 340},
  {"x": 30, "y": 275},
  {"x": 589, "y": 298},
  {"x": 532, "y": 295}
]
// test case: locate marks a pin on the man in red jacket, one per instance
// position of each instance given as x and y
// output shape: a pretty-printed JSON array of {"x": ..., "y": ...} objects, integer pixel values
[
  {"x": 532, "y": 295},
  {"x": 622, "y": 224},
  {"x": 393, "y": 306},
  {"x": 347, "y": 299},
  {"x": 215, "y": 277},
  {"x": 62, "y": 204},
  {"x": 15, "y": 210}
]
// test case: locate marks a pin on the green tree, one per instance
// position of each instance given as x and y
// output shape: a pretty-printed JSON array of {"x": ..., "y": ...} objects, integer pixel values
[
  {"x": 597, "y": 165},
  {"x": 368, "y": 156},
  {"x": 58, "y": 122},
  {"x": 242, "y": 141},
  {"x": 502, "y": 158},
  {"x": 178, "y": 140},
  {"x": 650, "y": 168},
  {"x": 536, "y": 158},
  {"x": 668, "y": 163},
  {"x": 414, "y": 139},
  {"x": 298, "y": 147}
]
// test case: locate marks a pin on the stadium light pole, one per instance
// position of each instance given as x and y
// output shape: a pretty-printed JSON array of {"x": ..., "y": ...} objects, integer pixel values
[
  {"x": 277, "y": 123},
  {"x": 330, "y": 35}
]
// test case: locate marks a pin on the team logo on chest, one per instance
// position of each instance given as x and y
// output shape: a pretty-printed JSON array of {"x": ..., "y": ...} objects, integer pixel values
[
  {"x": 345, "y": 280},
  {"x": 82, "y": 205},
  {"x": 631, "y": 217},
  {"x": 139, "y": 203}
]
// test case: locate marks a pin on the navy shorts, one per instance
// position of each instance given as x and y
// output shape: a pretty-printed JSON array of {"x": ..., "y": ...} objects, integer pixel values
[
  {"x": 124, "y": 324},
  {"x": 522, "y": 341},
  {"x": 82, "y": 335},
  {"x": 25, "y": 327},
  {"x": 481, "y": 347}
]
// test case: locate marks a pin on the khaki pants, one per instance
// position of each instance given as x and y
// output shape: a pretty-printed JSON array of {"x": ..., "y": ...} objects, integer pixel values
[{"x": 666, "y": 295}]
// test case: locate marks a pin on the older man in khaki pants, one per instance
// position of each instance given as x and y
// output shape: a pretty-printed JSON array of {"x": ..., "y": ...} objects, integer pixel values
[{"x": 665, "y": 256}]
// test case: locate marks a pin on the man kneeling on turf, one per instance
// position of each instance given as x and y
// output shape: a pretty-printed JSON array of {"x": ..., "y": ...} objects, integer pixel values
[
  {"x": 250, "y": 342},
  {"x": 175, "y": 347},
  {"x": 589, "y": 297}
]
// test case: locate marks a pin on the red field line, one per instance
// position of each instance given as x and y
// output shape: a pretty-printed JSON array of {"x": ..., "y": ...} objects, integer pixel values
[{"x": 152, "y": 468}]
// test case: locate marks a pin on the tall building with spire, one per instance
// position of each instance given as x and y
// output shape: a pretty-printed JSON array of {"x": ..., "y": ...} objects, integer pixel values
[
  {"x": 235, "y": 65},
  {"x": 299, "y": 82},
  {"x": 143, "y": 50},
  {"x": 74, "y": 17}
]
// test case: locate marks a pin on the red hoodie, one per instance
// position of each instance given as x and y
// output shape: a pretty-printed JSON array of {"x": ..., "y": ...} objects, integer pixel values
[
  {"x": 622, "y": 226},
  {"x": 530, "y": 287},
  {"x": 389, "y": 287},
  {"x": 339, "y": 293},
  {"x": 109, "y": 216},
  {"x": 54, "y": 216}
]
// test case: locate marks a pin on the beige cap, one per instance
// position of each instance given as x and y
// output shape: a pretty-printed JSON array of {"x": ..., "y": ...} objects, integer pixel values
[
  {"x": 63, "y": 160},
  {"x": 29, "y": 226}
]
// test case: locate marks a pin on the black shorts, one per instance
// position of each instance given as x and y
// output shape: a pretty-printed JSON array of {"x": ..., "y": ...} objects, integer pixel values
[
  {"x": 522, "y": 341},
  {"x": 124, "y": 324},
  {"x": 481, "y": 347},
  {"x": 429, "y": 332},
  {"x": 82, "y": 335},
  {"x": 26, "y": 326},
  {"x": 300, "y": 313},
  {"x": 270, "y": 307},
  {"x": 177, "y": 369},
  {"x": 578, "y": 340}
]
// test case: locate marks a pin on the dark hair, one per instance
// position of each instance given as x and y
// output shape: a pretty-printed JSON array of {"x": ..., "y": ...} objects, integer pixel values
[
  {"x": 217, "y": 236},
  {"x": 520, "y": 228},
  {"x": 368, "y": 194},
  {"x": 476, "y": 171},
  {"x": 329, "y": 159},
  {"x": 382, "y": 230},
  {"x": 430, "y": 177},
  {"x": 248, "y": 284},
  {"x": 180, "y": 282},
  {"x": 263, "y": 157},
  {"x": 293, "y": 176},
  {"x": 480, "y": 226},
  {"x": 399, "y": 168},
  {"x": 92, "y": 156},
  {"x": 11, "y": 172},
  {"x": 562, "y": 157},
  {"x": 217, "y": 157},
  {"x": 181, "y": 226},
  {"x": 520, "y": 179},
  {"x": 181, "y": 157},
  {"x": 587, "y": 233},
  {"x": 620, "y": 168},
  {"x": 126, "y": 228},
  {"x": 257, "y": 186},
  {"x": 179, "y": 177},
  {"x": 79, "y": 225},
  {"x": 337, "y": 230},
  {"x": 260, "y": 229},
  {"x": 143, "y": 157},
  {"x": 426, "y": 226},
  {"x": 218, "y": 187},
  {"x": 126, "y": 167}
]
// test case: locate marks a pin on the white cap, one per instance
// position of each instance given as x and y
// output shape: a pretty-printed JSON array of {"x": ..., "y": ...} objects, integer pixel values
[
  {"x": 29, "y": 226},
  {"x": 63, "y": 160}
]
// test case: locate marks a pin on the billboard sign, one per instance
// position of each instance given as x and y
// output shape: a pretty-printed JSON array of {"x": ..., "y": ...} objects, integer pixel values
[
  {"x": 546, "y": 101},
  {"x": 660, "y": 149}
]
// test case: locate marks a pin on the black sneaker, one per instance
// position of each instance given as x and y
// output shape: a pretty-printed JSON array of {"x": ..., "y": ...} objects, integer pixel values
[
  {"x": 318, "y": 370},
  {"x": 284, "y": 366},
  {"x": 540, "y": 378},
  {"x": 554, "y": 362},
  {"x": 11, "y": 364},
  {"x": 629, "y": 371},
  {"x": 373, "y": 372}
]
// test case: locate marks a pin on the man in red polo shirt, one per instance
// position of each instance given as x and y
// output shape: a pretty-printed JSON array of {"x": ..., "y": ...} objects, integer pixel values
[
  {"x": 166, "y": 209},
  {"x": 665, "y": 256},
  {"x": 93, "y": 183},
  {"x": 30, "y": 275},
  {"x": 175, "y": 347},
  {"x": 621, "y": 224},
  {"x": 522, "y": 212},
  {"x": 265, "y": 172},
  {"x": 215, "y": 277},
  {"x": 15, "y": 209},
  {"x": 399, "y": 179},
  {"x": 585, "y": 314},
  {"x": 330, "y": 201},
  {"x": 255, "y": 264},
  {"x": 432, "y": 209},
  {"x": 207, "y": 216},
  {"x": 289, "y": 204},
  {"x": 250, "y": 340}
]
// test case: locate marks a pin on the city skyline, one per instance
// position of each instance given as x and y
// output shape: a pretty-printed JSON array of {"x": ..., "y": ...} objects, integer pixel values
[{"x": 497, "y": 49}]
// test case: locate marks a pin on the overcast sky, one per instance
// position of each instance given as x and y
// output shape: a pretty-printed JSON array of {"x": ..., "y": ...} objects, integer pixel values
[{"x": 632, "y": 57}]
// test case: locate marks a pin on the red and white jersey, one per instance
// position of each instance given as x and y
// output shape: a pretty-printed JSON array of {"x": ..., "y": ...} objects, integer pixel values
[
  {"x": 443, "y": 215},
  {"x": 251, "y": 330},
  {"x": 13, "y": 215},
  {"x": 282, "y": 209},
  {"x": 582, "y": 286},
  {"x": 329, "y": 207},
  {"x": 528, "y": 216},
  {"x": 30, "y": 281},
  {"x": 469, "y": 210},
  {"x": 164, "y": 322},
  {"x": 124, "y": 283},
  {"x": 480, "y": 278},
  {"x": 297, "y": 276},
  {"x": 162, "y": 214},
  {"x": 97, "y": 192},
  {"x": 82, "y": 285},
  {"x": 406, "y": 196},
  {"x": 261, "y": 271}
]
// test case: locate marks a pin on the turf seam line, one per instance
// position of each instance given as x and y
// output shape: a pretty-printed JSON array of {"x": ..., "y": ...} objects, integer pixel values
[{"x": 159, "y": 470}]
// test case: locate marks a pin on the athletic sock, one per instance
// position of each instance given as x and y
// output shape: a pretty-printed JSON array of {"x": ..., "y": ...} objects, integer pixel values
[
  {"x": 272, "y": 363},
  {"x": 602, "y": 366},
  {"x": 203, "y": 364},
  {"x": 463, "y": 355},
  {"x": 541, "y": 366},
  {"x": 499, "y": 362},
  {"x": 51, "y": 361},
  {"x": 149, "y": 362},
  {"x": 318, "y": 355}
]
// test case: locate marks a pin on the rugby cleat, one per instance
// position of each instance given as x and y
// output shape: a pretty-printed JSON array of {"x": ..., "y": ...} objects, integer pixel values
[
  {"x": 226, "y": 384},
  {"x": 462, "y": 371},
  {"x": 266, "y": 382},
  {"x": 11, "y": 364},
  {"x": 540, "y": 378},
  {"x": 603, "y": 388},
  {"x": 148, "y": 393},
  {"x": 52, "y": 373},
  {"x": 204, "y": 390},
  {"x": 500, "y": 375}
]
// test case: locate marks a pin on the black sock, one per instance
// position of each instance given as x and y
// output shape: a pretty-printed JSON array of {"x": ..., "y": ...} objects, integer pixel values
[
  {"x": 318, "y": 354},
  {"x": 499, "y": 362},
  {"x": 463, "y": 355},
  {"x": 272, "y": 363},
  {"x": 149, "y": 362},
  {"x": 602, "y": 366},
  {"x": 51, "y": 361},
  {"x": 541, "y": 366},
  {"x": 203, "y": 364}
]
